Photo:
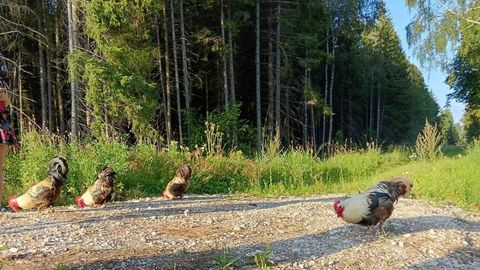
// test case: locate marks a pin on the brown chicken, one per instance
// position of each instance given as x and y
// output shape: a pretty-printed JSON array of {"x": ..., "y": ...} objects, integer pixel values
[
  {"x": 45, "y": 193},
  {"x": 179, "y": 184},
  {"x": 100, "y": 192},
  {"x": 375, "y": 205}
]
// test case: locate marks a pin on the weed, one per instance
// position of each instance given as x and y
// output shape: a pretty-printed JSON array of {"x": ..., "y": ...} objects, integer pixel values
[
  {"x": 225, "y": 260},
  {"x": 214, "y": 138},
  {"x": 263, "y": 259},
  {"x": 62, "y": 266},
  {"x": 429, "y": 142}
]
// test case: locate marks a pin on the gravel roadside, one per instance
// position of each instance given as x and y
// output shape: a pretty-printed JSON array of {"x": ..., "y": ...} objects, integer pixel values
[{"x": 193, "y": 233}]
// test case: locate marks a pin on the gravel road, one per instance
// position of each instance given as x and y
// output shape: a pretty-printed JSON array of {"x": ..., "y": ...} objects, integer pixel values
[{"x": 193, "y": 233}]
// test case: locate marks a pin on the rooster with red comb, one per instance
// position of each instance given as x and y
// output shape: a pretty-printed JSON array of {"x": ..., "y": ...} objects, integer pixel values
[
  {"x": 46, "y": 192},
  {"x": 375, "y": 205},
  {"x": 100, "y": 192}
]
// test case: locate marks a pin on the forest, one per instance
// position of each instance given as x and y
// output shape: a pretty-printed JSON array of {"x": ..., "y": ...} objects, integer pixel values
[{"x": 308, "y": 72}]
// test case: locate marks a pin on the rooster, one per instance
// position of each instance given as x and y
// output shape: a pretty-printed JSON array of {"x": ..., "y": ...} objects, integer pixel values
[
  {"x": 45, "y": 193},
  {"x": 100, "y": 192},
  {"x": 375, "y": 205},
  {"x": 179, "y": 184}
]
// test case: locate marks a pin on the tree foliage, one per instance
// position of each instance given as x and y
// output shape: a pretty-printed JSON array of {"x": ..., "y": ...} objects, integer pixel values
[
  {"x": 444, "y": 28},
  {"x": 326, "y": 67},
  {"x": 447, "y": 127}
]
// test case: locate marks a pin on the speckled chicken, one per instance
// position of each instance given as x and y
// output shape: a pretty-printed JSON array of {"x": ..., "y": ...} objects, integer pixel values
[
  {"x": 45, "y": 193},
  {"x": 100, "y": 192},
  {"x": 179, "y": 184},
  {"x": 375, "y": 205}
]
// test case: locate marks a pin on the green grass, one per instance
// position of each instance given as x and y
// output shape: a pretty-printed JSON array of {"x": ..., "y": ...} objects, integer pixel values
[
  {"x": 453, "y": 180},
  {"x": 263, "y": 259},
  {"x": 225, "y": 260},
  {"x": 62, "y": 267},
  {"x": 143, "y": 170}
]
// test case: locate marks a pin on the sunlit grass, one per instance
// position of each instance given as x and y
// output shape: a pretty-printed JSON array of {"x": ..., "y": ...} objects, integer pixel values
[{"x": 143, "y": 170}]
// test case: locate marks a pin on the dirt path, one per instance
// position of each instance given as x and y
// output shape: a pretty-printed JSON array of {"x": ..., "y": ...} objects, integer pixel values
[{"x": 302, "y": 233}]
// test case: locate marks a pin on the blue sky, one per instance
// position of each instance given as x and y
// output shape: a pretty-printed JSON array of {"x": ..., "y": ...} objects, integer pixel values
[{"x": 434, "y": 78}]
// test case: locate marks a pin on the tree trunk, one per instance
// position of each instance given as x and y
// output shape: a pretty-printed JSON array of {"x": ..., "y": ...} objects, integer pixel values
[
  {"x": 58, "y": 76},
  {"x": 350, "y": 114},
  {"x": 231, "y": 66},
  {"x": 370, "y": 122},
  {"x": 41, "y": 66},
  {"x": 160, "y": 70},
  {"x": 270, "y": 78},
  {"x": 325, "y": 95},
  {"x": 168, "y": 121},
  {"x": 305, "y": 110},
  {"x": 175, "y": 65},
  {"x": 287, "y": 118},
  {"x": 230, "y": 53},
  {"x": 278, "y": 74},
  {"x": 378, "y": 112},
  {"x": 20, "y": 92},
  {"x": 186, "y": 84},
  {"x": 332, "y": 77},
  {"x": 72, "y": 31},
  {"x": 49, "y": 92},
  {"x": 257, "y": 76},
  {"x": 224, "y": 71},
  {"x": 342, "y": 112},
  {"x": 312, "y": 117}
]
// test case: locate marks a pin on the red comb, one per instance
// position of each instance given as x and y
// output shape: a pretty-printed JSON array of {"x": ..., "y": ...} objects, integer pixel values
[
  {"x": 79, "y": 201},
  {"x": 13, "y": 203}
]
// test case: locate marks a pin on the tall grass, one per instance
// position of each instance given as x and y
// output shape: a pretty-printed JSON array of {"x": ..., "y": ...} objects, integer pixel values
[
  {"x": 144, "y": 170},
  {"x": 448, "y": 179}
]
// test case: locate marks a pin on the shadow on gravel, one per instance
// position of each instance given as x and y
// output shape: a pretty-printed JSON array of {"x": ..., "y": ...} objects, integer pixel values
[
  {"x": 464, "y": 258},
  {"x": 157, "y": 208},
  {"x": 306, "y": 247}
]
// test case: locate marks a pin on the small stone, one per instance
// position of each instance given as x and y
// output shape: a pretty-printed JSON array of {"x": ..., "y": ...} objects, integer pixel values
[
  {"x": 13, "y": 250},
  {"x": 432, "y": 231},
  {"x": 430, "y": 251},
  {"x": 465, "y": 243},
  {"x": 186, "y": 212},
  {"x": 236, "y": 228},
  {"x": 400, "y": 244},
  {"x": 153, "y": 217},
  {"x": 407, "y": 235},
  {"x": 276, "y": 258},
  {"x": 154, "y": 233}
]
